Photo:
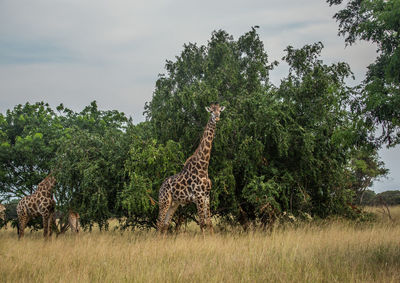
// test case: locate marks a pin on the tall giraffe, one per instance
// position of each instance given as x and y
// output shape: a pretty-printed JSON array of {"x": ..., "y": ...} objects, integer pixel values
[
  {"x": 192, "y": 183},
  {"x": 40, "y": 203}
]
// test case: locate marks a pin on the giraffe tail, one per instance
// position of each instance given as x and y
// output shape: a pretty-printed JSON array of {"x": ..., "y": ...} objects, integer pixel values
[{"x": 18, "y": 228}]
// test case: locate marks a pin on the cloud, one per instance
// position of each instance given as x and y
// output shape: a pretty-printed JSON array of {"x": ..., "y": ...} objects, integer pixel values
[{"x": 76, "y": 50}]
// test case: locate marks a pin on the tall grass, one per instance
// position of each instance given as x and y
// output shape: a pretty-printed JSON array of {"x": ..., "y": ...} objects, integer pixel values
[{"x": 331, "y": 251}]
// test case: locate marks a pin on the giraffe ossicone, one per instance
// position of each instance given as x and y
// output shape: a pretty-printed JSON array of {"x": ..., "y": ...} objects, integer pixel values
[{"x": 192, "y": 184}]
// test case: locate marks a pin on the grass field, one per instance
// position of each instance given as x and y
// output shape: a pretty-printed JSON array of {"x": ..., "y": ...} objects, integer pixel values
[{"x": 330, "y": 251}]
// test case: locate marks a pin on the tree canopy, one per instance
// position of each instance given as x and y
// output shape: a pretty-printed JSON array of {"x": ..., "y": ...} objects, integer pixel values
[
  {"x": 288, "y": 148},
  {"x": 377, "y": 21}
]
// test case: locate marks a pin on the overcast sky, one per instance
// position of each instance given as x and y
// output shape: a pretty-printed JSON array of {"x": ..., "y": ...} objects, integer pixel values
[{"x": 77, "y": 51}]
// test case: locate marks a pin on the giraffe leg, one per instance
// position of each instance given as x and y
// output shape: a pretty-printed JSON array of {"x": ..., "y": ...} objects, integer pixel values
[
  {"x": 170, "y": 213},
  {"x": 45, "y": 226},
  {"x": 23, "y": 220},
  {"x": 208, "y": 209},
  {"x": 201, "y": 211},
  {"x": 162, "y": 213},
  {"x": 208, "y": 215},
  {"x": 50, "y": 224},
  {"x": 165, "y": 217}
]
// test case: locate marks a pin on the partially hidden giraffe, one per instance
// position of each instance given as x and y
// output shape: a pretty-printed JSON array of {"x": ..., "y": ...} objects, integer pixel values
[
  {"x": 40, "y": 203},
  {"x": 192, "y": 184},
  {"x": 63, "y": 224},
  {"x": 74, "y": 221},
  {"x": 3, "y": 215}
]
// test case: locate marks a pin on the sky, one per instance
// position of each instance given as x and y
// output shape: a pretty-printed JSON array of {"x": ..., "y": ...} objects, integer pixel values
[{"x": 77, "y": 51}]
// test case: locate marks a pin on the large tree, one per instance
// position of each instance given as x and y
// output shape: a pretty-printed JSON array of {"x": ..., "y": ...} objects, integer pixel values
[
  {"x": 28, "y": 141},
  {"x": 377, "y": 21},
  {"x": 85, "y": 150},
  {"x": 90, "y": 162},
  {"x": 286, "y": 148},
  {"x": 148, "y": 163}
]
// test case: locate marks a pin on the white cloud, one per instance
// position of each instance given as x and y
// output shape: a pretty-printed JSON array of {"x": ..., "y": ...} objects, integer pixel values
[{"x": 92, "y": 47}]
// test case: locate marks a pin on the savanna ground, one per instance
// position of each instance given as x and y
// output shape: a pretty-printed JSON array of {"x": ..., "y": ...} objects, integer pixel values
[{"x": 333, "y": 250}]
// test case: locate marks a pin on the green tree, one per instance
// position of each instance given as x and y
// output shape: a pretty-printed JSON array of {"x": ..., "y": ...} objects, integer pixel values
[
  {"x": 86, "y": 151},
  {"x": 377, "y": 21},
  {"x": 28, "y": 136},
  {"x": 147, "y": 165},
  {"x": 91, "y": 157},
  {"x": 387, "y": 198},
  {"x": 285, "y": 148},
  {"x": 324, "y": 136},
  {"x": 219, "y": 71},
  {"x": 364, "y": 169}
]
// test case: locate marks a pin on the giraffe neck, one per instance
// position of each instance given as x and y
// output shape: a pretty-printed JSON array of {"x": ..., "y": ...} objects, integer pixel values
[
  {"x": 46, "y": 186},
  {"x": 203, "y": 151}
]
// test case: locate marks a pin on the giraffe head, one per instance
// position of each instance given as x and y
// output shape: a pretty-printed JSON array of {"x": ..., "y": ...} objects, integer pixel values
[{"x": 215, "y": 111}]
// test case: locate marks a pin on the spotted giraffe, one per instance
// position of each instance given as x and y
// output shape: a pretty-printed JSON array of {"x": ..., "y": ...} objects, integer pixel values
[
  {"x": 73, "y": 221},
  {"x": 3, "y": 215},
  {"x": 40, "y": 203},
  {"x": 192, "y": 184},
  {"x": 63, "y": 223}
]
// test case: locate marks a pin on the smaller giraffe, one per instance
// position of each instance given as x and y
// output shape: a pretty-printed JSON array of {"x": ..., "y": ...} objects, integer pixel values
[
  {"x": 40, "y": 203},
  {"x": 3, "y": 215},
  {"x": 73, "y": 221}
]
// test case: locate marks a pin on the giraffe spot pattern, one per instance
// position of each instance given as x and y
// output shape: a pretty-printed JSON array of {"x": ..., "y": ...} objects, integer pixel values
[
  {"x": 192, "y": 183},
  {"x": 40, "y": 203}
]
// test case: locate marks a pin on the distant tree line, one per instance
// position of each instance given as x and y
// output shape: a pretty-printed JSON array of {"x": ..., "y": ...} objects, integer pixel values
[
  {"x": 385, "y": 198},
  {"x": 297, "y": 147}
]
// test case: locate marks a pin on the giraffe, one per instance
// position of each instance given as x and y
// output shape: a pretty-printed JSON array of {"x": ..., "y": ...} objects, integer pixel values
[
  {"x": 73, "y": 221},
  {"x": 40, "y": 203},
  {"x": 63, "y": 224},
  {"x": 192, "y": 184},
  {"x": 3, "y": 215}
]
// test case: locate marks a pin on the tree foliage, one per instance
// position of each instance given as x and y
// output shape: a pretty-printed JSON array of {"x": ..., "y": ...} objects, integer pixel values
[
  {"x": 90, "y": 162},
  {"x": 387, "y": 198},
  {"x": 85, "y": 150},
  {"x": 384, "y": 198},
  {"x": 287, "y": 148},
  {"x": 147, "y": 165},
  {"x": 28, "y": 136},
  {"x": 377, "y": 21}
]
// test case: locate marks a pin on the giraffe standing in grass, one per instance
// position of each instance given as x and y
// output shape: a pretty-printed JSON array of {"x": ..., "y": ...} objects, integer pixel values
[
  {"x": 40, "y": 203},
  {"x": 192, "y": 183},
  {"x": 74, "y": 221},
  {"x": 3, "y": 215},
  {"x": 63, "y": 223}
]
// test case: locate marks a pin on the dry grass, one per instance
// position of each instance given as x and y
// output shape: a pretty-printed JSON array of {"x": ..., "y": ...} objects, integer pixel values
[{"x": 334, "y": 251}]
